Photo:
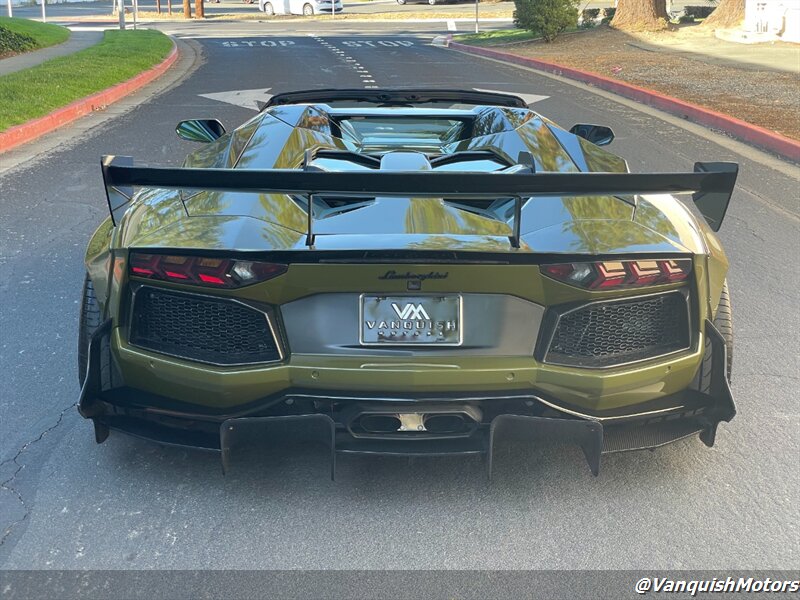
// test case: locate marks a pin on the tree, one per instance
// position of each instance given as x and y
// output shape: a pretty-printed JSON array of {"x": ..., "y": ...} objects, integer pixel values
[
  {"x": 729, "y": 14},
  {"x": 199, "y": 9},
  {"x": 187, "y": 9},
  {"x": 641, "y": 15},
  {"x": 546, "y": 18}
]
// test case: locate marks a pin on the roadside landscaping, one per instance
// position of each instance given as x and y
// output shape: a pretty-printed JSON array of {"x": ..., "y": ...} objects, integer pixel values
[
  {"x": 674, "y": 63},
  {"x": 37, "y": 91},
  {"x": 498, "y": 37},
  {"x": 23, "y": 35}
]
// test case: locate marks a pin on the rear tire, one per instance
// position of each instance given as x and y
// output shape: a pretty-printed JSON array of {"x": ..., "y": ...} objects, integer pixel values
[
  {"x": 90, "y": 320},
  {"x": 432, "y": 2},
  {"x": 723, "y": 321},
  {"x": 269, "y": 10},
  {"x": 401, "y": 2},
  {"x": 308, "y": 10}
]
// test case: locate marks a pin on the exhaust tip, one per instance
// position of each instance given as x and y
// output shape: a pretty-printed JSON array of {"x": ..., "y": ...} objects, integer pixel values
[
  {"x": 446, "y": 423},
  {"x": 379, "y": 423}
]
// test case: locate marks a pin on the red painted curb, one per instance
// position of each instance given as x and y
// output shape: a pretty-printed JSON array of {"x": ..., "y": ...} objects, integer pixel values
[
  {"x": 27, "y": 132},
  {"x": 769, "y": 140}
]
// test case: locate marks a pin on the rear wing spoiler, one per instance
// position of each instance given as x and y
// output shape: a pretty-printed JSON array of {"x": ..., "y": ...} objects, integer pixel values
[
  {"x": 398, "y": 96},
  {"x": 711, "y": 185}
]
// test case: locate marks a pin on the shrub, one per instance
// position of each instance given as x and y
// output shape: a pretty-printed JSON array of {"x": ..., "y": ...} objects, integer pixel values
[
  {"x": 698, "y": 12},
  {"x": 12, "y": 42},
  {"x": 546, "y": 18},
  {"x": 608, "y": 14},
  {"x": 590, "y": 14}
]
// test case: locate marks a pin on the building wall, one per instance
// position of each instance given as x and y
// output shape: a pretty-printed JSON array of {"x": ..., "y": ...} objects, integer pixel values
[{"x": 773, "y": 18}]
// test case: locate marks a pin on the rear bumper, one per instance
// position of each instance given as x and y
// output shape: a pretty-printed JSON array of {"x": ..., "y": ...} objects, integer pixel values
[{"x": 490, "y": 418}]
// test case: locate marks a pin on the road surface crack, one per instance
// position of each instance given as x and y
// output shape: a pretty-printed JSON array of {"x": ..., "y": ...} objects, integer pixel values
[{"x": 8, "y": 484}]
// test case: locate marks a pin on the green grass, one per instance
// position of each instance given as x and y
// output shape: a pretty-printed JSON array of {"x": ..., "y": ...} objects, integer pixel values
[
  {"x": 500, "y": 36},
  {"x": 24, "y": 35},
  {"x": 35, "y": 92}
]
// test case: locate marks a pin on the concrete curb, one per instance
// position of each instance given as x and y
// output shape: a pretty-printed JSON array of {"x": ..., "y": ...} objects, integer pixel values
[
  {"x": 27, "y": 132},
  {"x": 753, "y": 134}
]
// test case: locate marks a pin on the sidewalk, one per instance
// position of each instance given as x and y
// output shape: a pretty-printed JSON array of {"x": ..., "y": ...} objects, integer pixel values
[
  {"x": 78, "y": 40},
  {"x": 694, "y": 45}
]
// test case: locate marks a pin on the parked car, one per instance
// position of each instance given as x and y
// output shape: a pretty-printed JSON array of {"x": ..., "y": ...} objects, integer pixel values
[
  {"x": 299, "y": 7},
  {"x": 407, "y": 272}
]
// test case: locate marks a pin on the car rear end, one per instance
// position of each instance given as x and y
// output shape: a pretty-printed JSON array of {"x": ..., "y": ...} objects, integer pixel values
[{"x": 401, "y": 355}]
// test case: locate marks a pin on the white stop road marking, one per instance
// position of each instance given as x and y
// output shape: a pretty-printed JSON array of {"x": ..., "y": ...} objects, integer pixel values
[
  {"x": 378, "y": 43},
  {"x": 254, "y": 43}
]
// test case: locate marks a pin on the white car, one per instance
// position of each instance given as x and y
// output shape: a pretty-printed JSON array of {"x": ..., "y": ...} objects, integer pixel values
[{"x": 299, "y": 7}]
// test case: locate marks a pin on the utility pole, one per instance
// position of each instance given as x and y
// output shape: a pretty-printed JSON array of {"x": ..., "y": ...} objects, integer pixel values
[
  {"x": 476, "y": 16},
  {"x": 121, "y": 10},
  {"x": 10, "y": 12},
  {"x": 135, "y": 13},
  {"x": 44, "y": 13}
]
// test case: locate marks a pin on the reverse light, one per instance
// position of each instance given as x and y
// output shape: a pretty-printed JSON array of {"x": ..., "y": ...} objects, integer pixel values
[
  {"x": 207, "y": 272},
  {"x": 603, "y": 275}
]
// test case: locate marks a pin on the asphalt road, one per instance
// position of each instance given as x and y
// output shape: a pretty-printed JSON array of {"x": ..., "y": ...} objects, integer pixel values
[{"x": 128, "y": 504}]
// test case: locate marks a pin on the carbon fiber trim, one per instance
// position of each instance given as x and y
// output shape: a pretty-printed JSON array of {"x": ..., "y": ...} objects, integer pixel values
[{"x": 641, "y": 437}]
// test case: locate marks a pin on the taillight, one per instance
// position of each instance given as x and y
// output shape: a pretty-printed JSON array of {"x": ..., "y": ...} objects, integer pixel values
[
  {"x": 197, "y": 270},
  {"x": 605, "y": 275}
]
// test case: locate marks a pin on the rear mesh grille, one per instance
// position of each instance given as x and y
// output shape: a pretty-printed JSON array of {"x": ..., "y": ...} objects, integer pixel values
[
  {"x": 611, "y": 333},
  {"x": 199, "y": 328}
]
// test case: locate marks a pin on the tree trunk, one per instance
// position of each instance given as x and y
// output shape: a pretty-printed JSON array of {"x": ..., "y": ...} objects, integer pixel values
[
  {"x": 199, "y": 9},
  {"x": 729, "y": 14},
  {"x": 187, "y": 9},
  {"x": 169, "y": 6},
  {"x": 641, "y": 15},
  {"x": 158, "y": 6}
]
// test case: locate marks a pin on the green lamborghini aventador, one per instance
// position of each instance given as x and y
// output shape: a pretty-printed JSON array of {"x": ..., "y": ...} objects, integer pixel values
[{"x": 418, "y": 272}]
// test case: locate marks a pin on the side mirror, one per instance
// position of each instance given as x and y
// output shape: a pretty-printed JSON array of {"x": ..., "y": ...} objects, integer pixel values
[
  {"x": 200, "y": 130},
  {"x": 599, "y": 135}
]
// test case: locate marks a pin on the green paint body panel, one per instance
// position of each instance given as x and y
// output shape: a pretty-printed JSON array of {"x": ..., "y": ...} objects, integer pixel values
[{"x": 256, "y": 225}]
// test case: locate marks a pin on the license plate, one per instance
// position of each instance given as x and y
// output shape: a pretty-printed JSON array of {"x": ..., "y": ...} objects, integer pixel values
[{"x": 411, "y": 320}]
